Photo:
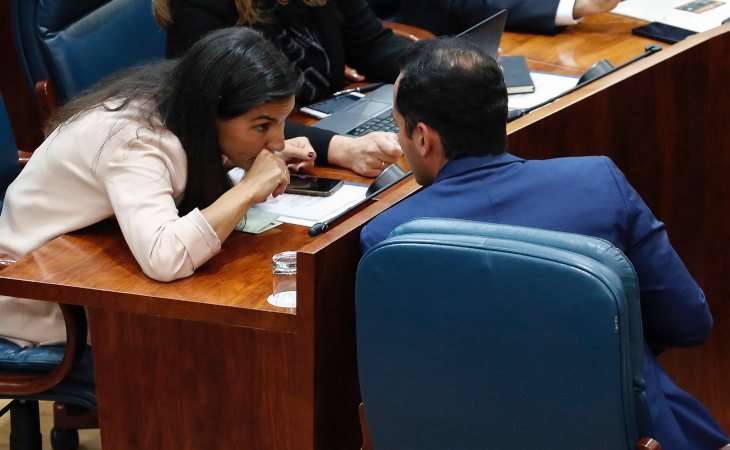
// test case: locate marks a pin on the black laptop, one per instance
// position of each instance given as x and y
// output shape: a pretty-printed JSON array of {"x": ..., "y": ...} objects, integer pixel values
[{"x": 373, "y": 112}]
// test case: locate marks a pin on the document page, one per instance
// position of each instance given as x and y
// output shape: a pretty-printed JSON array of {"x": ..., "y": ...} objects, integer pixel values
[
  {"x": 547, "y": 86},
  {"x": 307, "y": 210},
  {"x": 693, "y": 15}
]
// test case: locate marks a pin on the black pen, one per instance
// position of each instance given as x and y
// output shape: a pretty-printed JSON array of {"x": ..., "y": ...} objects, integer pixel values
[{"x": 361, "y": 89}]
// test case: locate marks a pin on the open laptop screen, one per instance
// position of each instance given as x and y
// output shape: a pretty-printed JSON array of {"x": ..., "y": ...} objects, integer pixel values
[{"x": 487, "y": 33}]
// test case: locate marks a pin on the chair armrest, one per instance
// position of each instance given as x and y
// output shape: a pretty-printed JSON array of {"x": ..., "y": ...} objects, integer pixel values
[
  {"x": 648, "y": 444},
  {"x": 408, "y": 32},
  {"x": 28, "y": 384},
  {"x": 24, "y": 157},
  {"x": 352, "y": 76},
  {"x": 45, "y": 93}
]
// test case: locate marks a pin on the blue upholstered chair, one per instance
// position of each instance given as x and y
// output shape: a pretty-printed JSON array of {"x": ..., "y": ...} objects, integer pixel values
[
  {"x": 56, "y": 373},
  {"x": 474, "y": 335},
  {"x": 67, "y": 46}
]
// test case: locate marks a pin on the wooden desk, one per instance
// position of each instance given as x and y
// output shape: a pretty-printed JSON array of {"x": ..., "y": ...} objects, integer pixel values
[{"x": 205, "y": 362}]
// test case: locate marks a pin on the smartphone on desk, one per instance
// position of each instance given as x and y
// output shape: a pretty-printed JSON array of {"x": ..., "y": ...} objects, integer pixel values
[
  {"x": 324, "y": 108},
  {"x": 662, "y": 32},
  {"x": 311, "y": 185}
]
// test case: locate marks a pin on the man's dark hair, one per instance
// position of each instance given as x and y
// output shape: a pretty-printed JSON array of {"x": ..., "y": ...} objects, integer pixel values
[{"x": 452, "y": 86}]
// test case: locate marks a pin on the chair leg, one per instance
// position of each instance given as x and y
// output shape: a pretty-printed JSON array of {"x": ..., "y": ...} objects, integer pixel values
[
  {"x": 25, "y": 426},
  {"x": 67, "y": 420},
  {"x": 72, "y": 417}
]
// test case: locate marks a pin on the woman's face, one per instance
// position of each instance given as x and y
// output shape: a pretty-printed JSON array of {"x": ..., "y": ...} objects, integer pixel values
[{"x": 261, "y": 128}]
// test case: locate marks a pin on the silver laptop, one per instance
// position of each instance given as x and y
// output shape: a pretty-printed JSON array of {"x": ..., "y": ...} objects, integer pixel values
[{"x": 373, "y": 112}]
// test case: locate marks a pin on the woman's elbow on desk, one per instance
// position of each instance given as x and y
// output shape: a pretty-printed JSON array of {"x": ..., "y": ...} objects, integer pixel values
[
  {"x": 167, "y": 270},
  {"x": 178, "y": 249}
]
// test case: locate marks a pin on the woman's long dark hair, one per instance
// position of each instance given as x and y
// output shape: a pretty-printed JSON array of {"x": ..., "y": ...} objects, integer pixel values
[{"x": 223, "y": 75}]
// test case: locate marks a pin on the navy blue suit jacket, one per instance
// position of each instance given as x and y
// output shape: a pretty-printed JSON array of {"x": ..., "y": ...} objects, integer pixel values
[
  {"x": 454, "y": 16},
  {"x": 589, "y": 196}
]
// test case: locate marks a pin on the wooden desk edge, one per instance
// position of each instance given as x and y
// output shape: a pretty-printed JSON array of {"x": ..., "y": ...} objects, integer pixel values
[
  {"x": 150, "y": 305},
  {"x": 616, "y": 77}
]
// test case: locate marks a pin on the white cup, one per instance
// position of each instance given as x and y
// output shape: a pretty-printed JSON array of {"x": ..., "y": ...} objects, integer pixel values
[{"x": 284, "y": 270}]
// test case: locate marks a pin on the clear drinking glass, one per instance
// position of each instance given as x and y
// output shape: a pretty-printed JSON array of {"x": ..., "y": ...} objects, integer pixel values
[{"x": 284, "y": 269}]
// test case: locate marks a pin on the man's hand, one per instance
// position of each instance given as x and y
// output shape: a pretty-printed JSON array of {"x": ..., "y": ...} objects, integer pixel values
[
  {"x": 584, "y": 8},
  {"x": 366, "y": 155}
]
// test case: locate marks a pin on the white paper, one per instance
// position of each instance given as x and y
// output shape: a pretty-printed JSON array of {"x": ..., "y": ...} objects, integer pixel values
[
  {"x": 547, "y": 86},
  {"x": 666, "y": 11},
  {"x": 307, "y": 210}
]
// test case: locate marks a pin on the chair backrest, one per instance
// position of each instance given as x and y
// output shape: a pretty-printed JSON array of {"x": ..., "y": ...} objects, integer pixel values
[
  {"x": 474, "y": 335},
  {"x": 9, "y": 166},
  {"x": 78, "y": 42}
]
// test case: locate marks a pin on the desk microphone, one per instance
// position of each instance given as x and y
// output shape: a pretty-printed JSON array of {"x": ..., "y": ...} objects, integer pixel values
[
  {"x": 390, "y": 176},
  {"x": 601, "y": 69}
]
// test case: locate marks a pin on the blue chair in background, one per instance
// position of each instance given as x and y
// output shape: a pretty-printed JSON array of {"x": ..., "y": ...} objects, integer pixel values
[
  {"x": 66, "y": 46},
  {"x": 55, "y": 373},
  {"x": 474, "y": 335}
]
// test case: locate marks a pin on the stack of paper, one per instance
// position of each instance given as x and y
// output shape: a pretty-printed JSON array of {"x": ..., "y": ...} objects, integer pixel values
[
  {"x": 307, "y": 210},
  {"x": 303, "y": 210}
]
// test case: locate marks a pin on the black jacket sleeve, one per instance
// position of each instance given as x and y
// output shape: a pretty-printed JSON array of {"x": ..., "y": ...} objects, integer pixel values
[
  {"x": 369, "y": 47},
  {"x": 443, "y": 17},
  {"x": 319, "y": 138}
]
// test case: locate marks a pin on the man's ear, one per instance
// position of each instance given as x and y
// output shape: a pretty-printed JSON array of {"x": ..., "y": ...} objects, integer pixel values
[{"x": 427, "y": 138}]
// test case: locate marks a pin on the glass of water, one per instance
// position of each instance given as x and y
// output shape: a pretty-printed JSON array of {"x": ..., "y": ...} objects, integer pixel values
[{"x": 284, "y": 269}]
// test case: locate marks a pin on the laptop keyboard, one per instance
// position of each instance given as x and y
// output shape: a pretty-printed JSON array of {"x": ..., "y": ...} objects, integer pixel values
[{"x": 381, "y": 122}]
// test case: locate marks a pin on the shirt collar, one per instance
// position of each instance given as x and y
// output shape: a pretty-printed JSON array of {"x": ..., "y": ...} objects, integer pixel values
[{"x": 460, "y": 166}]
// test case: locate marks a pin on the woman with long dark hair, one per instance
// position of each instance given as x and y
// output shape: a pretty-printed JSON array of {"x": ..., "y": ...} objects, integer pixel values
[
  {"x": 147, "y": 146},
  {"x": 319, "y": 37}
]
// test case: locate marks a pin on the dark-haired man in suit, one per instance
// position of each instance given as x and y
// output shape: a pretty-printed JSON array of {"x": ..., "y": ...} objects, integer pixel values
[{"x": 455, "y": 144}]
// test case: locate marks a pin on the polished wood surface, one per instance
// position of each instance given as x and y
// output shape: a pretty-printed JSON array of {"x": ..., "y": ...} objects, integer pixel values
[
  {"x": 575, "y": 50},
  {"x": 288, "y": 378}
]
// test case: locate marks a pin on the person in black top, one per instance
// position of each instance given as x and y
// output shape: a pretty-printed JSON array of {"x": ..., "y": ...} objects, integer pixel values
[{"x": 319, "y": 37}]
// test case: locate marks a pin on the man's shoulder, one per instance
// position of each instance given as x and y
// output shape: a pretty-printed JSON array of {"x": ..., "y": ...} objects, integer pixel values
[
  {"x": 565, "y": 177},
  {"x": 573, "y": 163}
]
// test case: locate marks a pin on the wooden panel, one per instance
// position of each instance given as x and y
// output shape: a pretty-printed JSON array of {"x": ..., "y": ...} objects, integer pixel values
[
  {"x": 169, "y": 383},
  {"x": 663, "y": 122}
]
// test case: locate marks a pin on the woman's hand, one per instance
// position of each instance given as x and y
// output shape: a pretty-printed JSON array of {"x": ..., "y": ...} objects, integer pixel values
[
  {"x": 268, "y": 175},
  {"x": 298, "y": 154},
  {"x": 366, "y": 155}
]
